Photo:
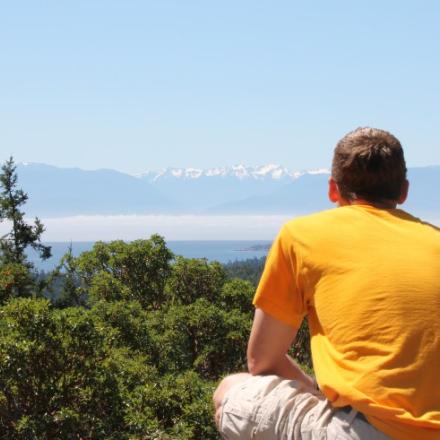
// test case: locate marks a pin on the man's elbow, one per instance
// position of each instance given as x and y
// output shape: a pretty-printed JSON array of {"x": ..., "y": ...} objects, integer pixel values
[
  {"x": 257, "y": 365},
  {"x": 252, "y": 366}
]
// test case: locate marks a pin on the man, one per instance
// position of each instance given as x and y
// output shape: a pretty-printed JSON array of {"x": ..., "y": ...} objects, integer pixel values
[{"x": 367, "y": 275}]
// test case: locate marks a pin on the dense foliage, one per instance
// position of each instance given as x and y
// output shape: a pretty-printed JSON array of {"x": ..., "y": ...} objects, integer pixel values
[
  {"x": 250, "y": 269},
  {"x": 138, "y": 360},
  {"x": 131, "y": 345}
]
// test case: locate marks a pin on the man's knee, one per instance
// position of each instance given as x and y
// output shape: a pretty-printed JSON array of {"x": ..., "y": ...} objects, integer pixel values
[{"x": 224, "y": 386}]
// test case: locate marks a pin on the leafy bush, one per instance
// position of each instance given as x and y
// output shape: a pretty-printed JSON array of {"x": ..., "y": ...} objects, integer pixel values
[
  {"x": 191, "y": 279},
  {"x": 132, "y": 349},
  {"x": 129, "y": 271}
]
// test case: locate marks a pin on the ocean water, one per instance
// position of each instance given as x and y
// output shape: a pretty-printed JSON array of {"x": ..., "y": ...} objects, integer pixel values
[{"x": 223, "y": 251}]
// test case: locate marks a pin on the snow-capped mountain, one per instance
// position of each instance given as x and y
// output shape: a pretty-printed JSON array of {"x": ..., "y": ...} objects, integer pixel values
[
  {"x": 215, "y": 188},
  {"x": 266, "y": 189},
  {"x": 241, "y": 172}
]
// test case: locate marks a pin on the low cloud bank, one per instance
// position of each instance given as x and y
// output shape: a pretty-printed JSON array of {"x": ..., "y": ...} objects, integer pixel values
[{"x": 172, "y": 227}]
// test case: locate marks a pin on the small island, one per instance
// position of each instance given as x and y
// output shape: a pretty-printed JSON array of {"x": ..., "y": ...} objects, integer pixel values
[{"x": 255, "y": 247}]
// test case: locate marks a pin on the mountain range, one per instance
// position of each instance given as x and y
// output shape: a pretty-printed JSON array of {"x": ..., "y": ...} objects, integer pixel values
[{"x": 267, "y": 189}]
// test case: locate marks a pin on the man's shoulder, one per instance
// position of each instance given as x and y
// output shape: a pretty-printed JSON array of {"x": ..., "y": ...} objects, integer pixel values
[
  {"x": 351, "y": 219},
  {"x": 312, "y": 227},
  {"x": 315, "y": 219}
]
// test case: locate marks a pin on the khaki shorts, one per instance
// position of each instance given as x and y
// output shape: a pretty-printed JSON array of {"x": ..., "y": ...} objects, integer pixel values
[{"x": 272, "y": 408}]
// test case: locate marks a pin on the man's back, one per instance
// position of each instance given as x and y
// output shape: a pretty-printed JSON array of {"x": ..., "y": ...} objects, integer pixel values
[
  {"x": 369, "y": 280},
  {"x": 367, "y": 275}
]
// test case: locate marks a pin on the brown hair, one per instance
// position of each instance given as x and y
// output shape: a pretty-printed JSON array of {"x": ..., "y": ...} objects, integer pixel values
[{"x": 368, "y": 163}]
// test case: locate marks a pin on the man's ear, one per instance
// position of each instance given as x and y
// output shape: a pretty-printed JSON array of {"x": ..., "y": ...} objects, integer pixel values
[
  {"x": 333, "y": 191},
  {"x": 403, "y": 192}
]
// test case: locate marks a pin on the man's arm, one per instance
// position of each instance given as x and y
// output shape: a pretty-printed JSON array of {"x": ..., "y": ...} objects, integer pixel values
[{"x": 269, "y": 342}]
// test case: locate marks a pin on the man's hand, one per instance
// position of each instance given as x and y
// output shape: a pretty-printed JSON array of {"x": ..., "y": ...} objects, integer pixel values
[{"x": 269, "y": 342}]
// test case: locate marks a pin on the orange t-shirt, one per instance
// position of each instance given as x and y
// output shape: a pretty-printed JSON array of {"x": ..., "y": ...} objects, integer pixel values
[{"x": 369, "y": 281}]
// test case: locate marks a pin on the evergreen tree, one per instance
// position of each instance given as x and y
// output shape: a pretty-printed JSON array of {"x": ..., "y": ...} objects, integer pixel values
[
  {"x": 66, "y": 280},
  {"x": 14, "y": 265}
]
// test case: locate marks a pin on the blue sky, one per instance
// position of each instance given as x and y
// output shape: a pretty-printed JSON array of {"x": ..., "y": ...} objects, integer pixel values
[{"x": 136, "y": 85}]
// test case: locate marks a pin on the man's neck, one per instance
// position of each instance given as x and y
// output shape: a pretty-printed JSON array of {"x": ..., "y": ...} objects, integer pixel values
[{"x": 382, "y": 204}]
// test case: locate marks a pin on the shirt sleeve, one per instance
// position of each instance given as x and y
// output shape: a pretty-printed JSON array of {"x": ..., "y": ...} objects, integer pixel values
[{"x": 278, "y": 293}]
